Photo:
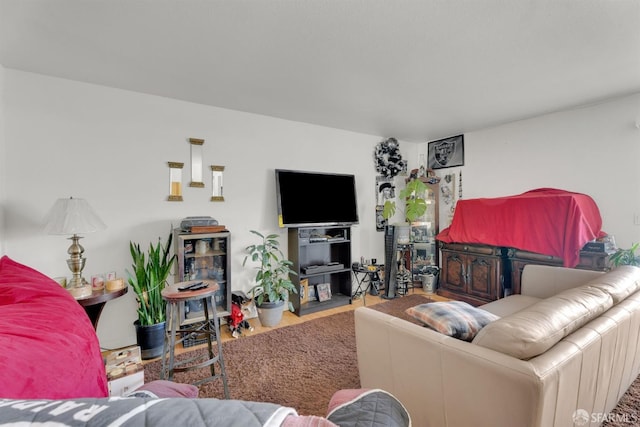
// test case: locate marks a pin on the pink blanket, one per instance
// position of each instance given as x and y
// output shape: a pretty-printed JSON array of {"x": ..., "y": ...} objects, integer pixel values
[{"x": 546, "y": 221}]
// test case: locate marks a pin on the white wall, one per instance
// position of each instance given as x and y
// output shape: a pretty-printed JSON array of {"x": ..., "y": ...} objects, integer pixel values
[
  {"x": 111, "y": 147},
  {"x": 593, "y": 150},
  {"x": 66, "y": 138}
]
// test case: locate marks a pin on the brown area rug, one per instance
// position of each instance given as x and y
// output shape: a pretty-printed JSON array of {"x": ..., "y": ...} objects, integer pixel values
[
  {"x": 302, "y": 366},
  {"x": 627, "y": 413}
]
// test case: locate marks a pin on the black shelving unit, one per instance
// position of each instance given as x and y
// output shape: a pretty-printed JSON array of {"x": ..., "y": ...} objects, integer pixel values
[{"x": 320, "y": 255}]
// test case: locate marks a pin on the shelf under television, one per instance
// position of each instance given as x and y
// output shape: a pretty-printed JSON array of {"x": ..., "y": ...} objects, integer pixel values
[{"x": 337, "y": 300}]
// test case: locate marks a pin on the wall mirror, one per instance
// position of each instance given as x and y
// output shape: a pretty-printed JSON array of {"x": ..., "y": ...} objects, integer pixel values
[
  {"x": 217, "y": 173},
  {"x": 196, "y": 162},
  {"x": 175, "y": 181}
]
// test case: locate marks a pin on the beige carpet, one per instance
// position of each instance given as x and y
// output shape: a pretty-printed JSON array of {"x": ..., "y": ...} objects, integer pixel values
[{"x": 301, "y": 366}]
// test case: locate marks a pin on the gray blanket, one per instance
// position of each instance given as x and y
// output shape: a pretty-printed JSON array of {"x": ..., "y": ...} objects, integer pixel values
[
  {"x": 367, "y": 408},
  {"x": 136, "y": 412}
]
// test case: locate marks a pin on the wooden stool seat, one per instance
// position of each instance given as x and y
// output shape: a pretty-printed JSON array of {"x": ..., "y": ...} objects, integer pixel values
[{"x": 209, "y": 327}]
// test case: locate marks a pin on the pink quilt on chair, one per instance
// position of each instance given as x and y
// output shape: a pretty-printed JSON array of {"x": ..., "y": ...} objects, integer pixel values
[
  {"x": 546, "y": 221},
  {"x": 48, "y": 347}
]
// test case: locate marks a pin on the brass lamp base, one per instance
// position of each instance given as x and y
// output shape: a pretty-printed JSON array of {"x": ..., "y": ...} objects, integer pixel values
[{"x": 78, "y": 287}]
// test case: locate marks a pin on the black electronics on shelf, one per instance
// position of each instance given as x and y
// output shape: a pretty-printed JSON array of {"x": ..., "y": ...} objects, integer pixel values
[{"x": 326, "y": 189}]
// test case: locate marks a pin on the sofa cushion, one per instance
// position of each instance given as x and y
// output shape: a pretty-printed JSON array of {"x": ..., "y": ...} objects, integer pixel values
[
  {"x": 619, "y": 283},
  {"x": 456, "y": 319},
  {"x": 513, "y": 303},
  {"x": 536, "y": 329}
]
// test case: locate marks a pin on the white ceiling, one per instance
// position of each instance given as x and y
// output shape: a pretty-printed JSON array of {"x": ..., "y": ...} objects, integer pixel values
[{"x": 416, "y": 70}]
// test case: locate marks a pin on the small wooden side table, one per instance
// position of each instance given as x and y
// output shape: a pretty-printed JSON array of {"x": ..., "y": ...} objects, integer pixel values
[
  {"x": 94, "y": 303},
  {"x": 210, "y": 327}
]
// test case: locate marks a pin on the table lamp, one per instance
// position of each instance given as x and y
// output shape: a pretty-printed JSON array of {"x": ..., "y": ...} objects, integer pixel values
[{"x": 72, "y": 217}]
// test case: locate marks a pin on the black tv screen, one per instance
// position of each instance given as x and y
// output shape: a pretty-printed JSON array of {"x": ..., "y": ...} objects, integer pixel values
[{"x": 315, "y": 198}]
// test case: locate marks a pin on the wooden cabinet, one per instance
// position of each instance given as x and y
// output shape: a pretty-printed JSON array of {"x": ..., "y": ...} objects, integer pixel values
[
  {"x": 479, "y": 274},
  {"x": 320, "y": 255},
  {"x": 598, "y": 261},
  {"x": 204, "y": 256},
  {"x": 472, "y": 273}
]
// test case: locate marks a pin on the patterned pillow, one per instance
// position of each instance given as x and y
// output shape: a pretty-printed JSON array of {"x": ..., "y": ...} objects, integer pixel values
[{"x": 456, "y": 319}]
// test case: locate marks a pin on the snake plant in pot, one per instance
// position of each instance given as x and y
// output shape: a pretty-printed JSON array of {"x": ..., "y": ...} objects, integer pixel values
[
  {"x": 272, "y": 282},
  {"x": 147, "y": 279}
]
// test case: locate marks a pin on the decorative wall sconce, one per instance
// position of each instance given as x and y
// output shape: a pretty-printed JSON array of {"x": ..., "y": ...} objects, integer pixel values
[
  {"x": 175, "y": 181},
  {"x": 196, "y": 162},
  {"x": 216, "y": 183}
]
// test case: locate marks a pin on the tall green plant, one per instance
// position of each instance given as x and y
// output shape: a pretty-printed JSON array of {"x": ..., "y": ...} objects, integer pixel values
[
  {"x": 149, "y": 278},
  {"x": 272, "y": 278},
  {"x": 414, "y": 203}
]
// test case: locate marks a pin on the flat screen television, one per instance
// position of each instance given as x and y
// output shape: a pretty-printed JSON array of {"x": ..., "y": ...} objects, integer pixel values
[{"x": 315, "y": 198}]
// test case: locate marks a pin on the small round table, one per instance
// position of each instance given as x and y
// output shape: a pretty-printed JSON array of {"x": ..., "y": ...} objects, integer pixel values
[
  {"x": 94, "y": 303},
  {"x": 368, "y": 280}
]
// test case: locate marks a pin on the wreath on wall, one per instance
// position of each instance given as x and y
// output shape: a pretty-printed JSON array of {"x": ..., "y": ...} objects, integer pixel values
[{"x": 388, "y": 159}]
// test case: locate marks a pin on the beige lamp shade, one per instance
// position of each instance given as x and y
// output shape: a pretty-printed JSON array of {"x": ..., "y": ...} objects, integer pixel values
[{"x": 72, "y": 217}]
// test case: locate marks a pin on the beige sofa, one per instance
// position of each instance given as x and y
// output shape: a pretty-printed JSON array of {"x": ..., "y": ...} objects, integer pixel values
[{"x": 567, "y": 346}]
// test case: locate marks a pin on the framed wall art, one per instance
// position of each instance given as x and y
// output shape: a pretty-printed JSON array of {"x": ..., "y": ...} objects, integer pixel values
[
  {"x": 385, "y": 190},
  {"x": 324, "y": 291},
  {"x": 304, "y": 291},
  {"x": 446, "y": 153}
]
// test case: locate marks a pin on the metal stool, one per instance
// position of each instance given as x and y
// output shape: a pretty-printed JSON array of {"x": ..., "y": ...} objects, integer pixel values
[{"x": 210, "y": 327}]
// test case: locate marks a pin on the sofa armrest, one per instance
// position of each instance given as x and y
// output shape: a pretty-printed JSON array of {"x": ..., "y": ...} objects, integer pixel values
[
  {"x": 435, "y": 376},
  {"x": 543, "y": 281}
]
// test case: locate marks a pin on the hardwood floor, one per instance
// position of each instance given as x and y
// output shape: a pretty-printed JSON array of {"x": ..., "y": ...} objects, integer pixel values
[{"x": 289, "y": 318}]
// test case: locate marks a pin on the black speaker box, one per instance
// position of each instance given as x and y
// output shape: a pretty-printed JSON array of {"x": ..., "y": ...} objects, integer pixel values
[{"x": 390, "y": 264}]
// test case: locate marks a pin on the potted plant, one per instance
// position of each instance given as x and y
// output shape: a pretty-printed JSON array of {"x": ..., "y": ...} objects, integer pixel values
[
  {"x": 148, "y": 279},
  {"x": 272, "y": 282},
  {"x": 626, "y": 256},
  {"x": 414, "y": 207},
  {"x": 414, "y": 204}
]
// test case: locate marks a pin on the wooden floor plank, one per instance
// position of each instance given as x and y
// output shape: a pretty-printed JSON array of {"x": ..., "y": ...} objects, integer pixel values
[{"x": 289, "y": 318}]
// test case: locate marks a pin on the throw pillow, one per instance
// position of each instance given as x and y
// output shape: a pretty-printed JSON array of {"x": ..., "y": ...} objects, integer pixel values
[{"x": 456, "y": 319}]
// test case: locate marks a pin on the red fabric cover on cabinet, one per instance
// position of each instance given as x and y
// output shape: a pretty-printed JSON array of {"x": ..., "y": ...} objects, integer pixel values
[
  {"x": 546, "y": 221},
  {"x": 48, "y": 347}
]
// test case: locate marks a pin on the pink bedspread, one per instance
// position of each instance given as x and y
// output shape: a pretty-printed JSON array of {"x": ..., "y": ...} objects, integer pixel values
[
  {"x": 546, "y": 221},
  {"x": 48, "y": 347}
]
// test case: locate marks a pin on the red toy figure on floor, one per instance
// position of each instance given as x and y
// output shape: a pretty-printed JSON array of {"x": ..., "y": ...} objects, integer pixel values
[{"x": 236, "y": 321}]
